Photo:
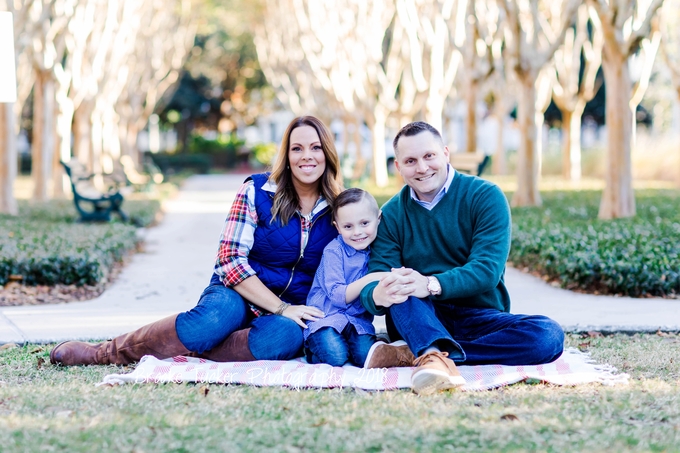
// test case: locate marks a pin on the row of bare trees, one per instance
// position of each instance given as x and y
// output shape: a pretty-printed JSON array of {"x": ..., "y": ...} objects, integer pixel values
[
  {"x": 390, "y": 61},
  {"x": 96, "y": 70}
]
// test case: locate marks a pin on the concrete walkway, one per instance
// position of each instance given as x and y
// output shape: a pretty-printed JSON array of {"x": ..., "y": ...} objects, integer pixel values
[{"x": 177, "y": 264}]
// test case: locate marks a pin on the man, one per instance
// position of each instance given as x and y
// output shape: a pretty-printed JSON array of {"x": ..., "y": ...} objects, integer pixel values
[{"x": 446, "y": 238}]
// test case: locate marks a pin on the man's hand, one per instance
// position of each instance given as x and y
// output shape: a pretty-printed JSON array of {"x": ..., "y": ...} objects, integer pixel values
[
  {"x": 398, "y": 286},
  {"x": 419, "y": 286}
]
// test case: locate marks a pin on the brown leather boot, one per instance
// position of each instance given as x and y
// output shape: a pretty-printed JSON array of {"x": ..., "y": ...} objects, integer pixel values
[
  {"x": 233, "y": 349},
  {"x": 158, "y": 339}
]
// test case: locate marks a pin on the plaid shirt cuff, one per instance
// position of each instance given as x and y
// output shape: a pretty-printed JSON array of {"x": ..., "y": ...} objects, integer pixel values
[{"x": 235, "y": 273}]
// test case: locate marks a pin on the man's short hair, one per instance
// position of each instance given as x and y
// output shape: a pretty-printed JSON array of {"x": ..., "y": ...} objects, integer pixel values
[
  {"x": 416, "y": 128},
  {"x": 352, "y": 196}
]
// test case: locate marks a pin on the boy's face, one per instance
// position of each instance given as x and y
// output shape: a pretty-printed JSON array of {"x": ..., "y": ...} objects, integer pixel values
[{"x": 357, "y": 223}]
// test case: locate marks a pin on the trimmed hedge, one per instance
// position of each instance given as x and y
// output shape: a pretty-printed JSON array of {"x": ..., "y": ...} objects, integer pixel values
[
  {"x": 634, "y": 257},
  {"x": 45, "y": 246}
]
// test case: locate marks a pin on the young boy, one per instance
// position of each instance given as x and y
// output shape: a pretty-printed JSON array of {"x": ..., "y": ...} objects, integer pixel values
[{"x": 346, "y": 333}]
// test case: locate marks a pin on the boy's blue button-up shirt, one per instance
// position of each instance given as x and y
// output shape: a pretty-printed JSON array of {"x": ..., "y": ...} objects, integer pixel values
[{"x": 340, "y": 266}]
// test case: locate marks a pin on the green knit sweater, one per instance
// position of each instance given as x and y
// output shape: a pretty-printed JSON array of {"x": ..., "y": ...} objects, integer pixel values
[{"x": 463, "y": 241}]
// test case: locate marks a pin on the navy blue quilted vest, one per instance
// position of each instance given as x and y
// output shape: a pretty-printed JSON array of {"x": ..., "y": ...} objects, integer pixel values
[{"x": 276, "y": 255}]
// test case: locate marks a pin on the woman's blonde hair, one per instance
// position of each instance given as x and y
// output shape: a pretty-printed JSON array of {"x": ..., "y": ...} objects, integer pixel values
[{"x": 286, "y": 200}]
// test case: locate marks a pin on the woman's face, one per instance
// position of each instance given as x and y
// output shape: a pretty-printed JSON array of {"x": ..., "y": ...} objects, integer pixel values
[{"x": 305, "y": 156}]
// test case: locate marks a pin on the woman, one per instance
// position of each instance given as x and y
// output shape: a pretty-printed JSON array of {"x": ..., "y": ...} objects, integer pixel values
[{"x": 270, "y": 247}]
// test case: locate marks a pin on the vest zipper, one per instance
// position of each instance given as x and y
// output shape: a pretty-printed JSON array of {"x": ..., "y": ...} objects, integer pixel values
[{"x": 302, "y": 253}]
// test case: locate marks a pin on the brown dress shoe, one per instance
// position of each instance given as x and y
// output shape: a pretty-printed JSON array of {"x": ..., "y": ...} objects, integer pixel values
[
  {"x": 435, "y": 372},
  {"x": 383, "y": 355}
]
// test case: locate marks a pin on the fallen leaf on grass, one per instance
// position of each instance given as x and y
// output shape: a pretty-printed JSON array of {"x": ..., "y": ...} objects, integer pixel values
[
  {"x": 595, "y": 334},
  {"x": 204, "y": 390},
  {"x": 584, "y": 346},
  {"x": 40, "y": 362},
  {"x": 320, "y": 423},
  {"x": 8, "y": 346},
  {"x": 509, "y": 418},
  {"x": 37, "y": 350}
]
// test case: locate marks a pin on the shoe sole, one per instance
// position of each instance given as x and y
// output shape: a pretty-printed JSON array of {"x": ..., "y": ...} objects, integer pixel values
[{"x": 427, "y": 382}]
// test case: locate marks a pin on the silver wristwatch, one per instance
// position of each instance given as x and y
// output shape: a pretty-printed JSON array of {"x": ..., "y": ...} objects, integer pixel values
[{"x": 433, "y": 286}]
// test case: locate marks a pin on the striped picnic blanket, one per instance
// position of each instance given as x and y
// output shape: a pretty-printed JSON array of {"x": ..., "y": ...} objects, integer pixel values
[{"x": 573, "y": 367}]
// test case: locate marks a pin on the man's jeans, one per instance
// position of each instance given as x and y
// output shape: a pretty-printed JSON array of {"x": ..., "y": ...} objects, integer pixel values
[
  {"x": 221, "y": 311},
  {"x": 475, "y": 335},
  {"x": 326, "y": 345}
]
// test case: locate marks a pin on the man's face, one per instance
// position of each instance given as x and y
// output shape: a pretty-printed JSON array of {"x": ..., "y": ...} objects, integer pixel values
[{"x": 422, "y": 162}]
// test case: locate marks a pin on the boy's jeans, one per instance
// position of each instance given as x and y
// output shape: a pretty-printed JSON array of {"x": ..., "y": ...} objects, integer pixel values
[
  {"x": 475, "y": 335},
  {"x": 326, "y": 345}
]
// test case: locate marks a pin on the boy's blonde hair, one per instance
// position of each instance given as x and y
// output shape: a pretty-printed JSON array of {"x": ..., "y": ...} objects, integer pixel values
[{"x": 352, "y": 196}]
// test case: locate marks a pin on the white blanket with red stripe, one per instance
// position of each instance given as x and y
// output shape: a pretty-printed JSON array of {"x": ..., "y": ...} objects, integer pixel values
[{"x": 573, "y": 367}]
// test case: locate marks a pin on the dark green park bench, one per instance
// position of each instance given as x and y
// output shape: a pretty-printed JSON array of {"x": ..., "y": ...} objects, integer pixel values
[{"x": 92, "y": 204}]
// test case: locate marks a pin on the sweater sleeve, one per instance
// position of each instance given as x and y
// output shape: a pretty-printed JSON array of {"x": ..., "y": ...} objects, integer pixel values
[{"x": 491, "y": 231}]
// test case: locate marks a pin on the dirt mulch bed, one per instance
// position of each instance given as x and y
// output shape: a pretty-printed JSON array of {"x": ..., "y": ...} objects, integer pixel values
[{"x": 15, "y": 293}]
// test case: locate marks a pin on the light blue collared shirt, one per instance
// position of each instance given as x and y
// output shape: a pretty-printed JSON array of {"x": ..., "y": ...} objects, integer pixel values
[{"x": 429, "y": 205}]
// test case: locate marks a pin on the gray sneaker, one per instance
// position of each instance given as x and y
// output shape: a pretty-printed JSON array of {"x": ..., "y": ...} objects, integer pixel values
[
  {"x": 435, "y": 372},
  {"x": 384, "y": 355}
]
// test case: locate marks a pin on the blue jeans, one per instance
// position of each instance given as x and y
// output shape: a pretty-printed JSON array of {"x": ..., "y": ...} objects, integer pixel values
[
  {"x": 326, "y": 345},
  {"x": 221, "y": 311},
  {"x": 475, "y": 335}
]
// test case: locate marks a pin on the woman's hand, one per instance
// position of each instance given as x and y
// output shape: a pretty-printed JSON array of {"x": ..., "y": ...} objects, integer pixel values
[{"x": 298, "y": 313}]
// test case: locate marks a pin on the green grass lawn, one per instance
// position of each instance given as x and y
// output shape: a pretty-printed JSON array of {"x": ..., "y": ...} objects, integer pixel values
[{"x": 48, "y": 408}]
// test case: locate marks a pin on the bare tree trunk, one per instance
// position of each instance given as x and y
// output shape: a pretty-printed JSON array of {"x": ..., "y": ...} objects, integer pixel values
[
  {"x": 39, "y": 191},
  {"x": 63, "y": 148},
  {"x": 379, "y": 154},
  {"x": 58, "y": 188},
  {"x": 500, "y": 165},
  {"x": 539, "y": 121},
  {"x": 345, "y": 138},
  {"x": 131, "y": 134},
  {"x": 359, "y": 162},
  {"x": 82, "y": 127},
  {"x": 43, "y": 136},
  {"x": 677, "y": 90},
  {"x": 435, "y": 108},
  {"x": 527, "y": 161},
  {"x": 571, "y": 142},
  {"x": 97, "y": 157},
  {"x": 618, "y": 198},
  {"x": 471, "y": 121},
  {"x": 8, "y": 159}
]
